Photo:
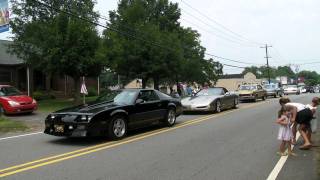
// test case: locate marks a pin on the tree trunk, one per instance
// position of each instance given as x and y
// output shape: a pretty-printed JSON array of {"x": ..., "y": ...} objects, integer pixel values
[
  {"x": 156, "y": 83},
  {"x": 48, "y": 82},
  {"x": 144, "y": 83},
  {"x": 77, "y": 90}
]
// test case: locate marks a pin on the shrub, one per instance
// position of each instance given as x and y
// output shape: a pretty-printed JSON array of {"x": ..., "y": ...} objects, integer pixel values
[
  {"x": 92, "y": 91},
  {"x": 41, "y": 95}
]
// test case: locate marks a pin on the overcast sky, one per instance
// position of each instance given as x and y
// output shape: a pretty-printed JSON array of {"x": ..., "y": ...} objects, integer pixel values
[{"x": 232, "y": 29}]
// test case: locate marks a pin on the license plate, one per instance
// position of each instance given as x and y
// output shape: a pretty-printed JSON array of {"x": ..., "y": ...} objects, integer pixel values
[{"x": 59, "y": 128}]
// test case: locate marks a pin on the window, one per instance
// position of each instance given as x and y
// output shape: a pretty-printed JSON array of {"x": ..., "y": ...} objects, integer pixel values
[{"x": 148, "y": 96}]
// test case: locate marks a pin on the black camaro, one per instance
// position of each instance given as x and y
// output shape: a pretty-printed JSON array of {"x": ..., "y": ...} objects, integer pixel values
[{"x": 114, "y": 113}]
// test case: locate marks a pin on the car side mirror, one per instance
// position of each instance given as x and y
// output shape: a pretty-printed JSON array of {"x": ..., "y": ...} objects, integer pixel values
[
  {"x": 228, "y": 93},
  {"x": 139, "y": 101}
]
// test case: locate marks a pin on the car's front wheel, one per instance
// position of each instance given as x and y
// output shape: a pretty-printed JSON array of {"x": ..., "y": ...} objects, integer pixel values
[
  {"x": 170, "y": 119},
  {"x": 117, "y": 127},
  {"x": 235, "y": 103},
  {"x": 218, "y": 106}
]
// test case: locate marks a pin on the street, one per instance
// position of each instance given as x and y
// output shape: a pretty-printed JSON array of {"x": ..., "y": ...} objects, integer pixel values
[{"x": 235, "y": 144}]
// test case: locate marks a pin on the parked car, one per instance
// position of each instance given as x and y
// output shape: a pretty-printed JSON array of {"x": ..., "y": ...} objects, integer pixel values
[
  {"x": 252, "y": 92},
  {"x": 114, "y": 114},
  {"x": 273, "y": 90},
  {"x": 12, "y": 101},
  {"x": 213, "y": 99},
  {"x": 310, "y": 89},
  {"x": 291, "y": 89}
]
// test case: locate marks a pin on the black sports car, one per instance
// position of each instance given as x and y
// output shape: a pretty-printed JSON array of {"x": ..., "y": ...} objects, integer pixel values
[{"x": 114, "y": 113}]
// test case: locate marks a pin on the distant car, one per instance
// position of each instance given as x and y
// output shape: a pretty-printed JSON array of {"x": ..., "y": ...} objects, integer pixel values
[
  {"x": 310, "y": 89},
  {"x": 252, "y": 92},
  {"x": 115, "y": 113},
  {"x": 12, "y": 101},
  {"x": 213, "y": 99},
  {"x": 291, "y": 89},
  {"x": 273, "y": 90}
]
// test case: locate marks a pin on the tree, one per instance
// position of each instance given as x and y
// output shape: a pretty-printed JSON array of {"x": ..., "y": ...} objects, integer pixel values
[
  {"x": 145, "y": 40},
  {"x": 54, "y": 41},
  {"x": 311, "y": 77}
]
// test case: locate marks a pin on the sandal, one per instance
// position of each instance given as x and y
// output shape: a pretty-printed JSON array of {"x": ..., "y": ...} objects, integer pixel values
[{"x": 305, "y": 147}]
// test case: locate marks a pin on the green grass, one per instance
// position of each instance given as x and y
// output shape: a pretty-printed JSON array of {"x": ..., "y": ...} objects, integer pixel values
[
  {"x": 11, "y": 126},
  {"x": 56, "y": 104}
]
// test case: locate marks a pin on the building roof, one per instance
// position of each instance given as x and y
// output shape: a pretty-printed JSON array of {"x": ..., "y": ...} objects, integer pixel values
[
  {"x": 5, "y": 57},
  {"x": 232, "y": 76}
]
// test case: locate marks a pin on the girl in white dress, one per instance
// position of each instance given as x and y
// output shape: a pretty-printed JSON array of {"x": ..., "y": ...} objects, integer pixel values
[{"x": 285, "y": 132}]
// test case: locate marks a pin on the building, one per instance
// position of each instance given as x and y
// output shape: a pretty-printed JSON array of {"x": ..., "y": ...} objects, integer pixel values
[
  {"x": 233, "y": 81},
  {"x": 15, "y": 72}
]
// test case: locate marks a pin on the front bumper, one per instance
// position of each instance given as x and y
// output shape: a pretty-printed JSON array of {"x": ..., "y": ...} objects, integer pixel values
[
  {"x": 190, "y": 108},
  {"x": 271, "y": 93},
  {"x": 246, "y": 97},
  {"x": 67, "y": 129},
  {"x": 20, "y": 109}
]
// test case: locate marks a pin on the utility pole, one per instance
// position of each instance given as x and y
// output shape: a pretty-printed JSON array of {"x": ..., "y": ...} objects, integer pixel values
[{"x": 267, "y": 57}]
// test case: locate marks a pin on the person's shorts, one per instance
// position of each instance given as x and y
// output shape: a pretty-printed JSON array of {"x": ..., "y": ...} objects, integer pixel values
[{"x": 304, "y": 117}]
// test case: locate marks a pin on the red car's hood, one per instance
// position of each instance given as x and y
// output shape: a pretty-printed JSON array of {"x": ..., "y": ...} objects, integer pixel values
[{"x": 19, "y": 99}]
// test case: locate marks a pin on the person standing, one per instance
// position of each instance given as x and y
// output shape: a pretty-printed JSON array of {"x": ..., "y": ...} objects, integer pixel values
[
  {"x": 189, "y": 90},
  {"x": 285, "y": 133}
]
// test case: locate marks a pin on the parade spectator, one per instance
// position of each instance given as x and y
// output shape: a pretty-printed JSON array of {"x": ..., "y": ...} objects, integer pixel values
[
  {"x": 285, "y": 133},
  {"x": 300, "y": 115}
]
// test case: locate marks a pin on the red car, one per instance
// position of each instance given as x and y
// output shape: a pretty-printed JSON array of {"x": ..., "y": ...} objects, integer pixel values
[{"x": 12, "y": 101}]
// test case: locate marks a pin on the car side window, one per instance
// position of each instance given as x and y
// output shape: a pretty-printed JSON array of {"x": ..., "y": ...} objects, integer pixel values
[
  {"x": 148, "y": 96},
  {"x": 224, "y": 91},
  {"x": 1, "y": 92}
]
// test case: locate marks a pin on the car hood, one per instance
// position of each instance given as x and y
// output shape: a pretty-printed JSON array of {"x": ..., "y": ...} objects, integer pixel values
[
  {"x": 199, "y": 100},
  {"x": 90, "y": 108},
  {"x": 245, "y": 92},
  {"x": 19, "y": 99}
]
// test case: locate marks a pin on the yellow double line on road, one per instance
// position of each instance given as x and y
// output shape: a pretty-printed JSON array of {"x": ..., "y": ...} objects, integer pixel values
[{"x": 73, "y": 154}]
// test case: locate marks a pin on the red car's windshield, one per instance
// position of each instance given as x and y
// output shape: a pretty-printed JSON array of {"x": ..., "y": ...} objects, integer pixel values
[{"x": 9, "y": 91}]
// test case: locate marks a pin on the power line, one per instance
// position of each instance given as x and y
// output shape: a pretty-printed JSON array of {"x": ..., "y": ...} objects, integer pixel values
[
  {"x": 217, "y": 35},
  {"x": 233, "y": 39},
  {"x": 237, "y": 61},
  {"x": 219, "y": 24}
]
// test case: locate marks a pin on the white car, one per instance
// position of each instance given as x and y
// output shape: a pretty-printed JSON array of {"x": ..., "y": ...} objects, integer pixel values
[{"x": 291, "y": 89}]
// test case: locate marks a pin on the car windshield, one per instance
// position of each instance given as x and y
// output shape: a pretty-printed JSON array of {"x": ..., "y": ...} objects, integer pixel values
[
  {"x": 210, "y": 92},
  {"x": 9, "y": 91},
  {"x": 119, "y": 97},
  {"x": 269, "y": 86},
  {"x": 292, "y": 86},
  {"x": 247, "y": 87}
]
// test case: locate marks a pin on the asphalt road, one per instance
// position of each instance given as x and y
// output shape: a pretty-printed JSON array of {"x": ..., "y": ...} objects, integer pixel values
[{"x": 235, "y": 144}]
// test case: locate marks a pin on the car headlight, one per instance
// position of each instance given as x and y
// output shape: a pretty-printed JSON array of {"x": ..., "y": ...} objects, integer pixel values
[
  {"x": 13, "y": 103},
  {"x": 34, "y": 101},
  {"x": 85, "y": 118}
]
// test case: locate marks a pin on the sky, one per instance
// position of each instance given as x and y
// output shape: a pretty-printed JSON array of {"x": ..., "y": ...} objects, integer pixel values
[{"x": 236, "y": 30}]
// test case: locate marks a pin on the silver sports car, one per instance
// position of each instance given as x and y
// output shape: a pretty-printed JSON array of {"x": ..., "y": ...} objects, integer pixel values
[{"x": 211, "y": 99}]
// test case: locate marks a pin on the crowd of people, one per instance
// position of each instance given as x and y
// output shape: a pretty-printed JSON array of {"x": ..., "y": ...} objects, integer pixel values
[
  {"x": 293, "y": 117},
  {"x": 4, "y": 16}
]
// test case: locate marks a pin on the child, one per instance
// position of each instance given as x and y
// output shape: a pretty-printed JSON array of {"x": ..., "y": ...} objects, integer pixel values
[
  {"x": 313, "y": 107},
  {"x": 285, "y": 132}
]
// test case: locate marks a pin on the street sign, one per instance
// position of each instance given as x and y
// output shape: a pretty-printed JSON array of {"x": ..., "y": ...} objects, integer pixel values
[{"x": 4, "y": 16}]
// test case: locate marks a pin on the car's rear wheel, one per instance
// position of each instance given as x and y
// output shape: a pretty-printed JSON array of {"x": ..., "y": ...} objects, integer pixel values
[
  {"x": 218, "y": 106},
  {"x": 117, "y": 127},
  {"x": 170, "y": 119}
]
